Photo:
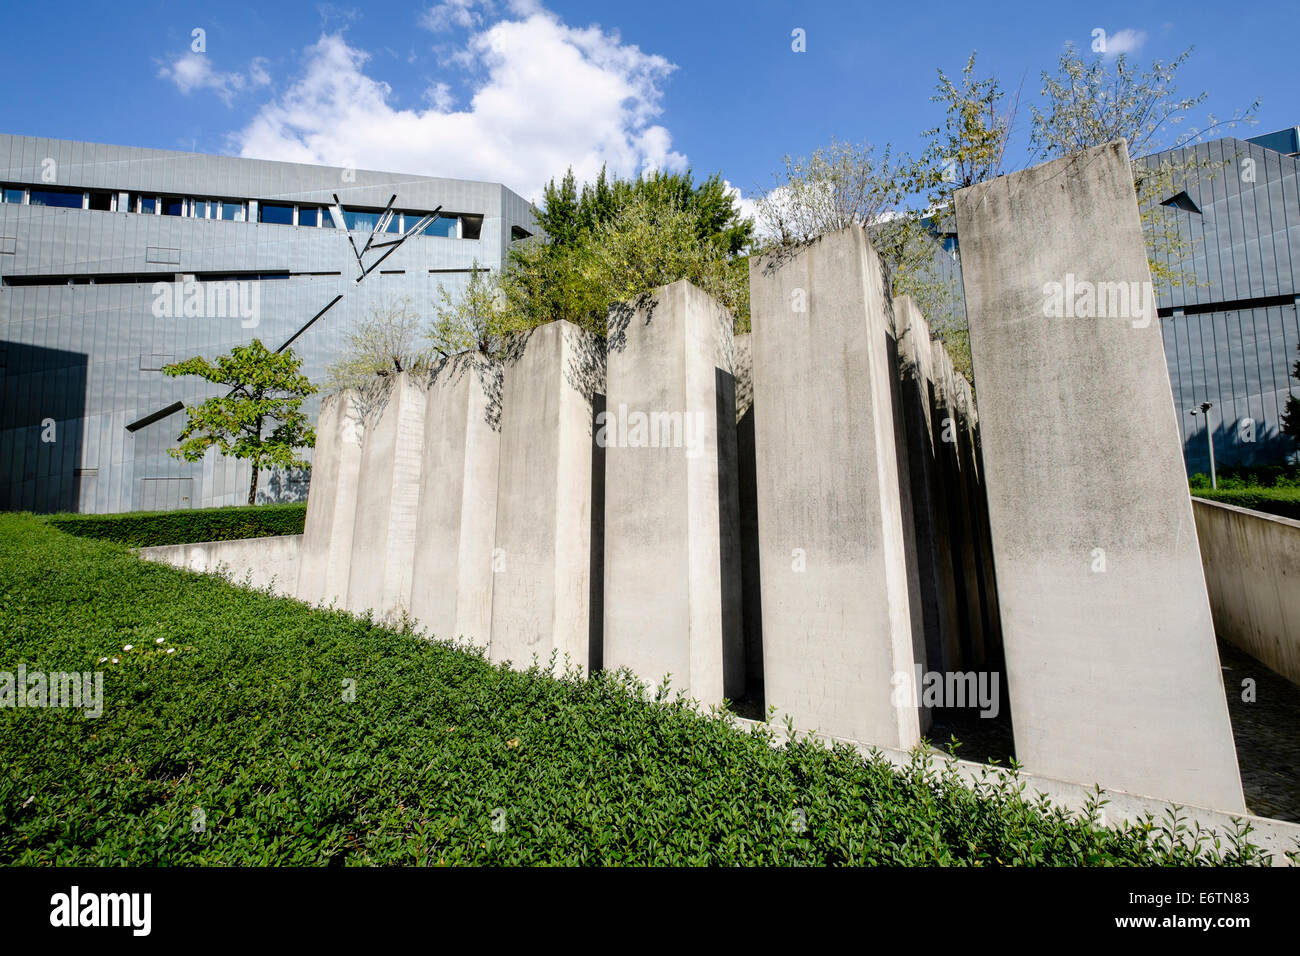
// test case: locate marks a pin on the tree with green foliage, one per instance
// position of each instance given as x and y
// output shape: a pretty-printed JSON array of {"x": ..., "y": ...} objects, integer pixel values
[
  {"x": 265, "y": 388},
  {"x": 848, "y": 183},
  {"x": 616, "y": 239},
  {"x": 474, "y": 320},
  {"x": 390, "y": 339},
  {"x": 1291, "y": 413},
  {"x": 568, "y": 216},
  {"x": 1090, "y": 103}
]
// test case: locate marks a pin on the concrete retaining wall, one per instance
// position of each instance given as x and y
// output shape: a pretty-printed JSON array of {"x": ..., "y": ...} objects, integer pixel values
[
  {"x": 1111, "y": 662},
  {"x": 262, "y": 563},
  {"x": 1252, "y": 570}
]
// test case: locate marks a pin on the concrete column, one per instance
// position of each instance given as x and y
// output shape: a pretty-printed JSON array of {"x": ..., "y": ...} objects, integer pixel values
[
  {"x": 672, "y": 523},
  {"x": 1112, "y": 667},
  {"x": 451, "y": 580},
  {"x": 326, "y": 554},
  {"x": 550, "y": 502},
  {"x": 940, "y": 618},
  {"x": 837, "y": 628},
  {"x": 747, "y": 485},
  {"x": 388, "y": 492}
]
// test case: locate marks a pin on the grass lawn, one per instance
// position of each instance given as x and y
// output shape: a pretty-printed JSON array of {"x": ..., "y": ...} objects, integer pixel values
[{"x": 441, "y": 758}]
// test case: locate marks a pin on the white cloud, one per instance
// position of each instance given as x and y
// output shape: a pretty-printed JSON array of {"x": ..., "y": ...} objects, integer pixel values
[
  {"x": 455, "y": 13},
  {"x": 193, "y": 71},
  {"x": 546, "y": 96},
  {"x": 1125, "y": 41}
]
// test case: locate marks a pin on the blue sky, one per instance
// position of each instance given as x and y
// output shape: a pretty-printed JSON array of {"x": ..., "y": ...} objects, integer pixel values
[{"x": 516, "y": 90}]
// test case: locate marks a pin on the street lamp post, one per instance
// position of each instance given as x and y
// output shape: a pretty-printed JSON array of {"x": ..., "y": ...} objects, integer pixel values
[{"x": 1209, "y": 439}]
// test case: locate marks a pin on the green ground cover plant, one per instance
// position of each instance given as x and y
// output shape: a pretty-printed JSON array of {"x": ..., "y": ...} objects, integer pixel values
[
  {"x": 244, "y": 729},
  {"x": 141, "y": 529}
]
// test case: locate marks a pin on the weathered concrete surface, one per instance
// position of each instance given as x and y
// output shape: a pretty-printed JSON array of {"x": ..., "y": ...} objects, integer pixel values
[
  {"x": 747, "y": 498},
  {"x": 550, "y": 502},
  {"x": 388, "y": 492},
  {"x": 940, "y": 618},
  {"x": 1252, "y": 571},
  {"x": 261, "y": 563},
  {"x": 672, "y": 522},
  {"x": 837, "y": 620},
  {"x": 331, "y": 502},
  {"x": 451, "y": 580},
  {"x": 1112, "y": 668}
]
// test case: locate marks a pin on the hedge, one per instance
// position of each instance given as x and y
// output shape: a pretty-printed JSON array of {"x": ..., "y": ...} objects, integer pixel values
[
  {"x": 1277, "y": 501},
  {"x": 146, "y": 528},
  {"x": 243, "y": 729}
]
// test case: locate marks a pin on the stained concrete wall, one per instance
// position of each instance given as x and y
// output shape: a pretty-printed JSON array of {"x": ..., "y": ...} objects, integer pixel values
[
  {"x": 451, "y": 579},
  {"x": 262, "y": 563},
  {"x": 672, "y": 524},
  {"x": 837, "y": 620},
  {"x": 331, "y": 502},
  {"x": 1112, "y": 667},
  {"x": 388, "y": 491},
  {"x": 1252, "y": 571},
  {"x": 550, "y": 502}
]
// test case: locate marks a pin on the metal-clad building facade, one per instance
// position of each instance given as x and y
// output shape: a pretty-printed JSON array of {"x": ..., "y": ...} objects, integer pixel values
[
  {"x": 83, "y": 339},
  {"x": 1231, "y": 335}
]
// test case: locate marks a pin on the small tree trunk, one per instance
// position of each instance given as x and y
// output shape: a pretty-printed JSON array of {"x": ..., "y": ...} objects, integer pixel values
[{"x": 252, "y": 485}]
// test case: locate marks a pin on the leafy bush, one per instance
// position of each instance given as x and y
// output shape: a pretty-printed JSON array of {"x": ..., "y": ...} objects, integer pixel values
[
  {"x": 1281, "y": 501},
  {"x": 146, "y": 528},
  {"x": 275, "y": 733},
  {"x": 1250, "y": 476}
]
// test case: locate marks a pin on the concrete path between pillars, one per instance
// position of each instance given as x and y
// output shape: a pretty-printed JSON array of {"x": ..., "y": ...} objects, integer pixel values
[
  {"x": 838, "y": 630},
  {"x": 672, "y": 524},
  {"x": 1112, "y": 667}
]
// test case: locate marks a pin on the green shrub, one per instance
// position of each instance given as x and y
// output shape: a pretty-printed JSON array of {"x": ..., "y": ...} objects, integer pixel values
[
  {"x": 1276, "y": 501},
  {"x": 242, "y": 747},
  {"x": 147, "y": 528},
  {"x": 1250, "y": 476}
]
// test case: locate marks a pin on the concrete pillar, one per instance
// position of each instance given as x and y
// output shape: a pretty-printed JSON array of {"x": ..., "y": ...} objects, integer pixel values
[
  {"x": 388, "y": 493},
  {"x": 547, "y": 584},
  {"x": 451, "y": 580},
  {"x": 837, "y": 627},
  {"x": 940, "y": 618},
  {"x": 1112, "y": 667},
  {"x": 672, "y": 523},
  {"x": 747, "y": 487},
  {"x": 326, "y": 554}
]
